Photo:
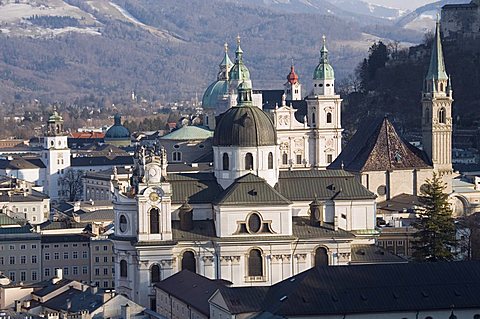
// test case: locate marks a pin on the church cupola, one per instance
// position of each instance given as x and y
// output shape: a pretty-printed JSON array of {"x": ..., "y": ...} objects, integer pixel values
[
  {"x": 293, "y": 88},
  {"x": 245, "y": 141},
  {"x": 55, "y": 124},
  {"x": 437, "y": 99},
  {"x": 239, "y": 72},
  {"x": 225, "y": 65},
  {"x": 324, "y": 76}
]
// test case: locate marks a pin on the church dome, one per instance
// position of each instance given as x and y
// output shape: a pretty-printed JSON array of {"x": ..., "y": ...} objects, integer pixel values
[
  {"x": 292, "y": 77},
  {"x": 117, "y": 134},
  {"x": 214, "y": 94},
  {"x": 244, "y": 125},
  {"x": 239, "y": 72},
  {"x": 324, "y": 71}
]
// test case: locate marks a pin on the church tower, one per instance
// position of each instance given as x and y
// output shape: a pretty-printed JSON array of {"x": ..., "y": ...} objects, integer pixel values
[
  {"x": 293, "y": 88},
  {"x": 56, "y": 156},
  {"x": 324, "y": 114},
  {"x": 437, "y": 99}
]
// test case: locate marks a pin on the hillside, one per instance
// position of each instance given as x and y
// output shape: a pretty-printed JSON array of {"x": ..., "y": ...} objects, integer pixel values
[{"x": 60, "y": 50}]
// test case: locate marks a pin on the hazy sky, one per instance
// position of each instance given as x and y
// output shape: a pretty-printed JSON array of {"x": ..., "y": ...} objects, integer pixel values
[{"x": 401, "y": 4}]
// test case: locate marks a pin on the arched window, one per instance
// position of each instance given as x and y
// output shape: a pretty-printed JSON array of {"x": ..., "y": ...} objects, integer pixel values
[
  {"x": 155, "y": 274},
  {"x": 123, "y": 223},
  {"x": 442, "y": 116},
  {"x": 284, "y": 158},
  {"x": 249, "y": 161},
  {"x": 476, "y": 316},
  {"x": 123, "y": 268},
  {"x": 188, "y": 261},
  {"x": 154, "y": 221},
  {"x": 226, "y": 162},
  {"x": 321, "y": 257},
  {"x": 270, "y": 160},
  {"x": 329, "y": 117},
  {"x": 255, "y": 263},
  {"x": 441, "y": 87}
]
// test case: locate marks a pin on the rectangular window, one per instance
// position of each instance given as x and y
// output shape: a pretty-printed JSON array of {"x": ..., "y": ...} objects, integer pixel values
[
  {"x": 65, "y": 255},
  {"x": 22, "y": 247},
  {"x": 329, "y": 158},
  {"x": 47, "y": 256},
  {"x": 84, "y": 255},
  {"x": 23, "y": 259},
  {"x": 55, "y": 246},
  {"x": 56, "y": 256},
  {"x": 47, "y": 273},
  {"x": 105, "y": 259},
  {"x": 113, "y": 259},
  {"x": 12, "y": 260},
  {"x": 105, "y": 271},
  {"x": 74, "y": 254},
  {"x": 97, "y": 248},
  {"x": 389, "y": 242},
  {"x": 34, "y": 275},
  {"x": 399, "y": 242},
  {"x": 34, "y": 259},
  {"x": 97, "y": 283},
  {"x": 12, "y": 275},
  {"x": 1, "y": 260},
  {"x": 65, "y": 245},
  {"x": 97, "y": 259},
  {"x": 105, "y": 248},
  {"x": 75, "y": 270},
  {"x": 84, "y": 270},
  {"x": 105, "y": 284},
  {"x": 11, "y": 247},
  {"x": 23, "y": 275},
  {"x": 65, "y": 271},
  {"x": 97, "y": 271},
  {"x": 299, "y": 159}
]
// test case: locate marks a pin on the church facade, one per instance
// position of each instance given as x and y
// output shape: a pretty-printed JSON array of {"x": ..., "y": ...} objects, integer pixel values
[{"x": 249, "y": 221}]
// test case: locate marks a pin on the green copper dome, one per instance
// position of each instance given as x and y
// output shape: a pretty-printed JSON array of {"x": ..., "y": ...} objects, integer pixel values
[
  {"x": 324, "y": 71},
  {"x": 244, "y": 125},
  {"x": 215, "y": 93},
  {"x": 117, "y": 131},
  {"x": 239, "y": 71}
]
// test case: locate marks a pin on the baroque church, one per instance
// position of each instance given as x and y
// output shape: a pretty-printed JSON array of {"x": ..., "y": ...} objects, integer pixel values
[{"x": 270, "y": 209}]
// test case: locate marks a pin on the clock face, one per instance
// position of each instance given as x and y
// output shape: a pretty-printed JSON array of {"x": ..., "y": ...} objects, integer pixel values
[
  {"x": 153, "y": 196},
  {"x": 152, "y": 172}
]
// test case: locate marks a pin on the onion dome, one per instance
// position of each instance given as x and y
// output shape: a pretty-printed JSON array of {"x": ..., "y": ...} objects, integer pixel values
[
  {"x": 292, "y": 77},
  {"x": 239, "y": 71},
  {"x": 324, "y": 71},
  {"x": 244, "y": 125}
]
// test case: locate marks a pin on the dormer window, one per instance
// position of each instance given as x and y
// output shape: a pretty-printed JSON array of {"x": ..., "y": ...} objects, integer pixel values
[{"x": 397, "y": 157}]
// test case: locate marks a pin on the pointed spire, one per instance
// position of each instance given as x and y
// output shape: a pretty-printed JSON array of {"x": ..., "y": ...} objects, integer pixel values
[
  {"x": 324, "y": 51},
  {"x": 225, "y": 65},
  {"x": 239, "y": 51},
  {"x": 437, "y": 71}
]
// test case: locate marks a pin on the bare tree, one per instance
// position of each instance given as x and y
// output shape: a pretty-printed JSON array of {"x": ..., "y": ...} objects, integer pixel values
[{"x": 72, "y": 184}]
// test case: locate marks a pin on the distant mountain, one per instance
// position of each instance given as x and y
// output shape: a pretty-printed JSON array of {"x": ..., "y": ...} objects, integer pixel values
[{"x": 60, "y": 50}]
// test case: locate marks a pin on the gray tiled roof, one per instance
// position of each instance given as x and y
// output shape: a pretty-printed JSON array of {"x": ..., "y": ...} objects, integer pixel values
[
  {"x": 193, "y": 289},
  {"x": 101, "y": 161},
  {"x": 251, "y": 190},
  {"x": 197, "y": 187},
  {"x": 74, "y": 300},
  {"x": 21, "y": 163},
  {"x": 374, "y": 288},
  {"x": 6, "y": 220},
  {"x": 373, "y": 254},
  {"x": 324, "y": 185},
  {"x": 98, "y": 215},
  {"x": 302, "y": 229},
  {"x": 378, "y": 147}
]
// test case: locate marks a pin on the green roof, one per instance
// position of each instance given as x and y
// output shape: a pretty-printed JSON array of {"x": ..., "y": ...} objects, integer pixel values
[
  {"x": 251, "y": 190},
  {"x": 117, "y": 130},
  {"x": 239, "y": 71},
  {"x": 197, "y": 187},
  {"x": 215, "y": 93},
  {"x": 187, "y": 133},
  {"x": 324, "y": 185},
  {"x": 7, "y": 220},
  {"x": 324, "y": 71},
  {"x": 436, "y": 70}
]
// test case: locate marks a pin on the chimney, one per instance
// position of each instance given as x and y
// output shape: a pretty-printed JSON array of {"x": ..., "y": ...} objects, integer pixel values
[
  {"x": 58, "y": 275},
  {"x": 125, "y": 311},
  {"x": 316, "y": 213},
  {"x": 18, "y": 306},
  {"x": 186, "y": 216}
]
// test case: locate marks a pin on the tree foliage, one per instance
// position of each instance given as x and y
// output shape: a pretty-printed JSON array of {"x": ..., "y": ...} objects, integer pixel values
[
  {"x": 72, "y": 185},
  {"x": 435, "y": 236}
]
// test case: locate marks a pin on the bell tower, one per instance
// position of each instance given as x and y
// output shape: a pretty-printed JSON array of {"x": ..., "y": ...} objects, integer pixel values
[
  {"x": 324, "y": 114},
  {"x": 437, "y": 99},
  {"x": 293, "y": 88}
]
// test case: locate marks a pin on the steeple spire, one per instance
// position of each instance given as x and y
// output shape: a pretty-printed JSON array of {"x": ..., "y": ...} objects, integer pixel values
[
  {"x": 437, "y": 71},
  {"x": 324, "y": 51},
  {"x": 225, "y": 65},
  {"x": 239, "y": 51}
]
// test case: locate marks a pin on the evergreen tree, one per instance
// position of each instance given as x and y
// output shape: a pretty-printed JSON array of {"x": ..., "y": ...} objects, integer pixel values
[{"x": 435, "y": 234}]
